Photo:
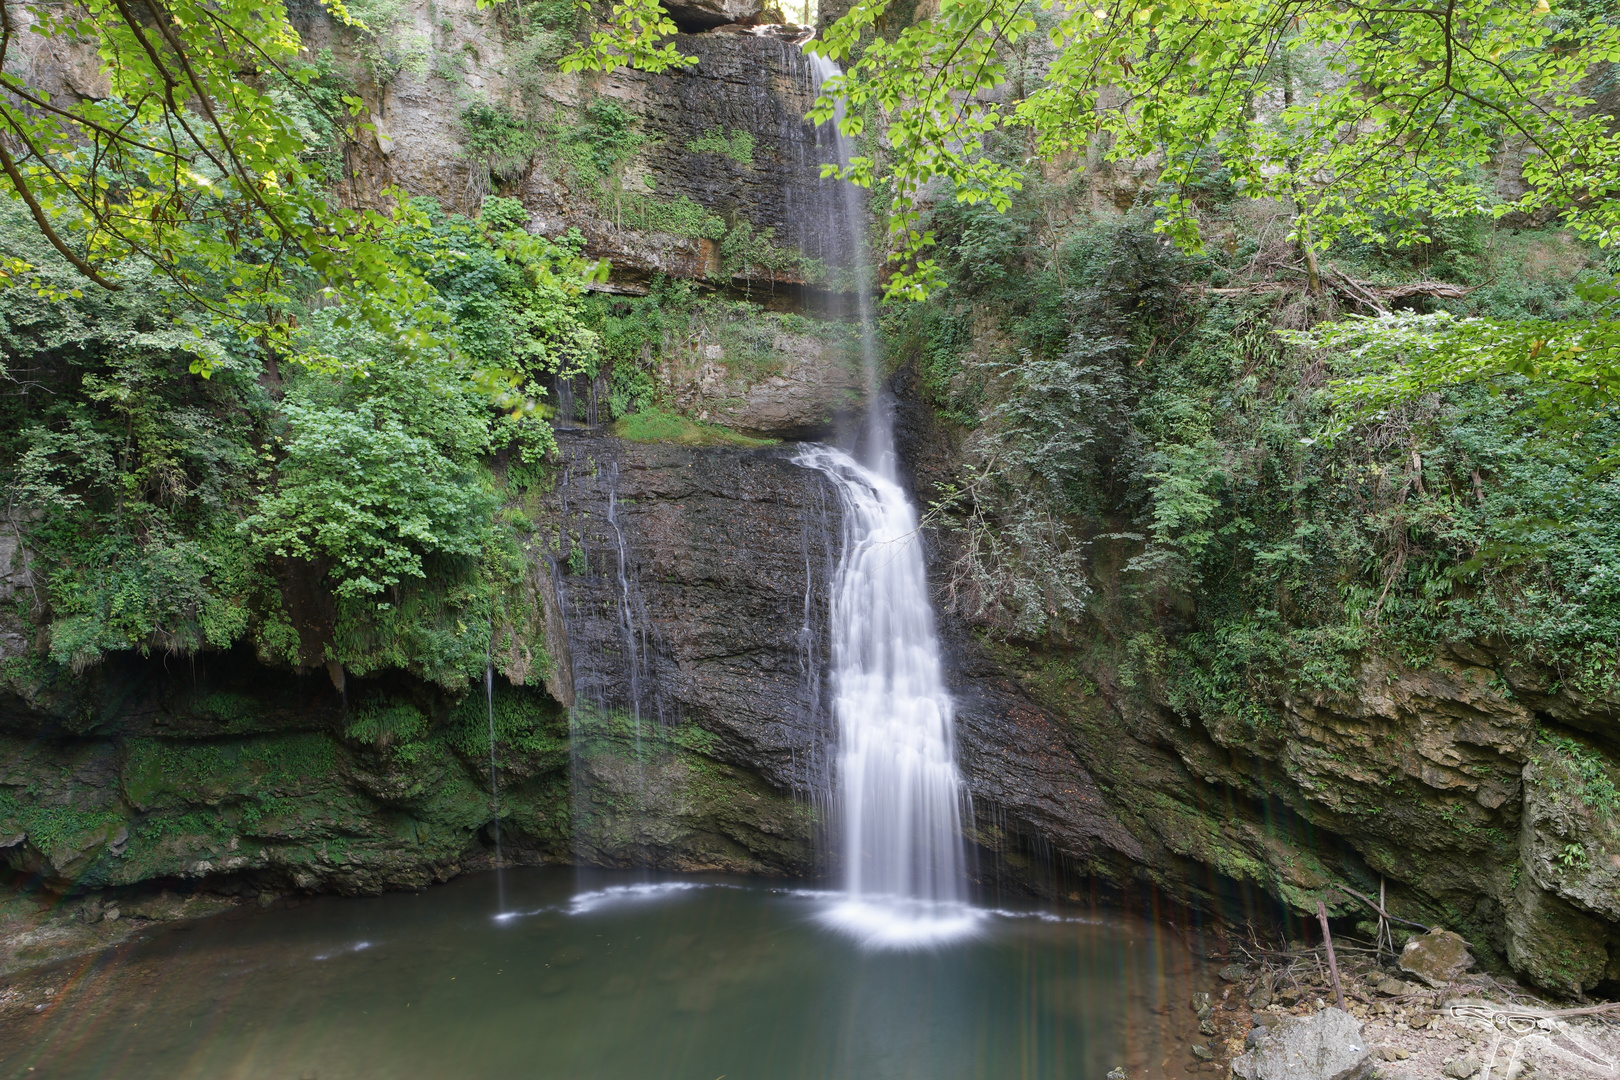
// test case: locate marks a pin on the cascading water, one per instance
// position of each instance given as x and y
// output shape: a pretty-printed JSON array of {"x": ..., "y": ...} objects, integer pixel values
[{"x": 898, "y": 791}]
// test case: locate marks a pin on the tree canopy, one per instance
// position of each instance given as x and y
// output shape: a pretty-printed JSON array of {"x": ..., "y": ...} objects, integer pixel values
[
  {"x": 204, "y": 161},
  {"x": 1374, "y": 119},
  {"x": 1374, "y": 122}
]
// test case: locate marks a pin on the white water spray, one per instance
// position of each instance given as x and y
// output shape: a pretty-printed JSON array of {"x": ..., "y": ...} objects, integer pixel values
[{"x": 898, "y": 790}]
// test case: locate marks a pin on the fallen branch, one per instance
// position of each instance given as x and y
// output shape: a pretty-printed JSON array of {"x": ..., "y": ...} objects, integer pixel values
[
  {"x": 1333, "y": 962},
  {"x": 1356, "y": 291},
  {"x": 1379, "y": 908},
  {"x": 1364, "y": 294},
  {"x": 1440, "y": 290}
]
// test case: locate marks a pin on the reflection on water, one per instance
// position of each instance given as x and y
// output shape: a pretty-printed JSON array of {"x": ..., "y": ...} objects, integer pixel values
[{"x": 603, "y": 977}]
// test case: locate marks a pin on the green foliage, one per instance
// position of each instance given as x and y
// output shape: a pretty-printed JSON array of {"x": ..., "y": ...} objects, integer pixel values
[
  {"x": 534, "y": 442},
  {"x": 1388, "y": 128},
  {"x": 169, "y": 511},
  {"x": 137, "y": 467},
  {"x": 494, "y": 136},
  {"x": 747, "y": 254},
  {"x": 596, "y": 151},
  {"x": 365, "y": 490},
  {"x": 738, "y": 145},
  {"x": 499, "y": 215},
  {"x": 158, "y": 774},
  {"x": 603, "y": 141},
  {"x": 1572, "y": 367},
  {"x": 530, "y": 730},
  {"x": 54, "y": 827},
  {"x": 1580, "y": 772},
  {"x": 637, "y": 34},
  {"x": 207, "y": 161},
  {"x": 933, "y": 338},
  {"x": 537, "y": 33},
  {"x": 385, "y": 721},
  {"x": 678, "y": 217},
  {"x": 1182, "y": 440}
]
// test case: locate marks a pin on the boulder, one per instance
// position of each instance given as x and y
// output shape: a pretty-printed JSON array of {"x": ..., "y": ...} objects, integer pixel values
[
  {"x": 1438, "y": 957},
  {"x": 1327, "y": 1046}
]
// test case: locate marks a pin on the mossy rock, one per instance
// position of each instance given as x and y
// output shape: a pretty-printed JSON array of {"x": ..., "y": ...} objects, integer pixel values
[{"x": 656, "y": 426}]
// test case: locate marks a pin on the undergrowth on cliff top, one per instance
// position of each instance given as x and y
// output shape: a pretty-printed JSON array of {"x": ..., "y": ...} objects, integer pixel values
[
  {"x": 174, "y": 513},
  {"x": 1107, "y": 409}
]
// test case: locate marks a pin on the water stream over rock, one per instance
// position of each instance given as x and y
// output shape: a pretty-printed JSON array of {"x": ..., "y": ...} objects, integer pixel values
[{"x": 898, "y": 792}]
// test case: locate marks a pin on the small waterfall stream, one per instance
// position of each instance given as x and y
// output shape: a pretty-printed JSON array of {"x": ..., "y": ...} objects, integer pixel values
[
  {"x": 898, "y": 791},
  {"x": 494, "y": 788}
]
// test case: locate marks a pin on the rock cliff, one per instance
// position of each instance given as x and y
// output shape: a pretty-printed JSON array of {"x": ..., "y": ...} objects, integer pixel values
[{"x": 666, "y": 702}]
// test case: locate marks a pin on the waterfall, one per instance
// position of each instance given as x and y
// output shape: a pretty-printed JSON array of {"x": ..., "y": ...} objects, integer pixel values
[{"x": 898, "y": 791}]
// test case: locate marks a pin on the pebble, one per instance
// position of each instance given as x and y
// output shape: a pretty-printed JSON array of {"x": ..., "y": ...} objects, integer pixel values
[
  {"x": 1202, "y": 1052},
  {"x": 111, "y": 914},
  {"x": 1233, "y": 973},
  {"x": 1118, "y": 1074}
]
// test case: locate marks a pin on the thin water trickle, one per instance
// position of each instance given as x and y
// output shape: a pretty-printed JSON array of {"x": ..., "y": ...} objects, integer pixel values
[
  {"x": 494, "y": 788},
  {"x": 635, "y": 644},
  {"x": 897, "y": 788}
]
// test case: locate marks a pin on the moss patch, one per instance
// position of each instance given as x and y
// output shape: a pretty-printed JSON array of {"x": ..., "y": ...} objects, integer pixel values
[{"x": 657, "y": 426}]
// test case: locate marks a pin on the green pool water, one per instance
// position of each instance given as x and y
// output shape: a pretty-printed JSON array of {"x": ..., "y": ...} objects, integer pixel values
[{"x": 617, "y": 977}]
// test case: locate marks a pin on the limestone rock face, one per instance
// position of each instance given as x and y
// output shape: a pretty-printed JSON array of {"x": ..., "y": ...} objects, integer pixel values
[
  {"x": 691, "y": 15},
  {"x": 1438, "y": 957},
  {"x": 810, "y": 386},
  {"x": 726, "y": 558},
  {"x": 748, "y": 92},
  {"x": 758, "y": 86},
  {"x": 1327, "y": 1046},
  {"x": 1567, "y": 845},
  {"x": 1555, "y": 943}
]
